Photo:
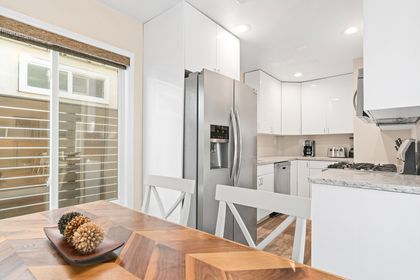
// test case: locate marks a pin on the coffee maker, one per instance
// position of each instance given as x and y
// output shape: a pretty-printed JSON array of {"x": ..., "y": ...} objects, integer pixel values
[{"x": 309, "y": 148}]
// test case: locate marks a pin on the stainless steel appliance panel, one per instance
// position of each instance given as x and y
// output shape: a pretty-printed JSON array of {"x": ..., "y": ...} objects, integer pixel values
[
  {"x": 209, "y": 113},
  {"x": 282, "y": 177},
  {"x": 245, "y": 107}
]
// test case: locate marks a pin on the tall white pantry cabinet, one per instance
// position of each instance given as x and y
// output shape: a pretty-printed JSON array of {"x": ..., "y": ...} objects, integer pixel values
[{"x": 180, "y": 39}]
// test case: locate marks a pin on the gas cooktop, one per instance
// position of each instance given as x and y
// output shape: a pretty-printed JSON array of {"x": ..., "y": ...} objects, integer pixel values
[{"x": 365, "y": 166}]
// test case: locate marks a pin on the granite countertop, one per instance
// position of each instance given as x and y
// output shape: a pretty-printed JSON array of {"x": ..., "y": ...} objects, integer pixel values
[
  {"x": 273, "y": 159},
  {"x": 373, "y": 180}
]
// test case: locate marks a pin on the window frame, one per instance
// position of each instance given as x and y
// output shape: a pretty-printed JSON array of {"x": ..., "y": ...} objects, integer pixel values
[{"x": 25, "y": 60}]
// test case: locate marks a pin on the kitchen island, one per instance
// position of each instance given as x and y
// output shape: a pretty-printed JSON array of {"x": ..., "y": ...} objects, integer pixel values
[
  {"x": 154, "y": 249},
  {"x": 366, "y": 225}
]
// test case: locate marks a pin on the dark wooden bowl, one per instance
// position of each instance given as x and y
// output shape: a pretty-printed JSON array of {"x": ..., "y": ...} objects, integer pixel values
[{"x": 72, "y": 256}]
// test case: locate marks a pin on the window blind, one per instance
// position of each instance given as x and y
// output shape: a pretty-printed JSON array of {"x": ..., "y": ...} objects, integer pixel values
[{"x": 24, "y": 32}]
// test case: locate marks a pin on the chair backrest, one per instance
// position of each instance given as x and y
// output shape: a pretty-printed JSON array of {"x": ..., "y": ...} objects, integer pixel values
[
  {"x": 297, "y": 208},
  {"x": 184, "y": 186}
]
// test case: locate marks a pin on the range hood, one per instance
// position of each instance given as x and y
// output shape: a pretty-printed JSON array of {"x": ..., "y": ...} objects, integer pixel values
[{"x": 384, "y": 118}]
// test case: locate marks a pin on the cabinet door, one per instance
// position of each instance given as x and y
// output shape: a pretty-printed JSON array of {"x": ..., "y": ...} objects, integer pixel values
[
  {"x": 265, "y": 183},
  {"x": 200, "y": 41},
  {"x": 391, "y": 66},
  {"x": 303, "y": 175},
  {"x": 339, "y": 93},
  {"x": 313, "y": 108},
  {"x": 269, "y": 105},
  {"x": 294, "y": 177},
  {"x": 228, "y": 54},
  {"x": 290, "y": 108}
]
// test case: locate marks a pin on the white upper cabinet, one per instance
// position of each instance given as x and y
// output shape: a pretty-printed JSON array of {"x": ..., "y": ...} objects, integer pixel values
[
  {"x": 391, "y": 58},
  {"x": 340, "y": 104},
  {"x": 327, "y": 106},
  {"x": 228, "y": 54},
  {"x": 322, "y": 106},
  {"x": 268, "y": 101},
  {"x": 313, "y": 108},
  {"x": 208, "y": 45},
  {"x": 269, "y": 104},
  {"x": 200, "y": 41},
  {"x": 290, "y": 108}
]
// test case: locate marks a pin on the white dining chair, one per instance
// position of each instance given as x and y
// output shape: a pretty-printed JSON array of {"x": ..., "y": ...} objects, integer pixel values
[
  {"x": 297, "y": 208},
  {"x": 184, "y": 186}
]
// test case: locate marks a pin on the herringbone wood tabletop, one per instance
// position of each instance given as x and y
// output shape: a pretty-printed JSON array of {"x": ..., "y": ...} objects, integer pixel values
[{"x": 154, "y": 249}]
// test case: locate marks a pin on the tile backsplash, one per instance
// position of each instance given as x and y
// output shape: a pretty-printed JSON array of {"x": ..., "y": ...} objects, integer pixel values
[{"x": 269, "y": 145}]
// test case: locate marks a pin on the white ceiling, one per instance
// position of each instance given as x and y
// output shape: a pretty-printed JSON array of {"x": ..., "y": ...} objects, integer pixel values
[{"x": 286, "y": 36}]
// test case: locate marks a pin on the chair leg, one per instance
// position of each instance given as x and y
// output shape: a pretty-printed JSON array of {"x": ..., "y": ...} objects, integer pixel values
[
  {"x": 299, "y": 241},
  {"x": 146, "y": 200},
  {"x": 221, "y": 217}
]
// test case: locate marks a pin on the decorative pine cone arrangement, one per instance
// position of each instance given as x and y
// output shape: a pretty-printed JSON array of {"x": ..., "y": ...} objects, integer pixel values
[
  {"x": 65, "y": 219},
  {"x": 78, "y": 230},
  {"x": 73, "y": 225},
  {"x": 87, "y": 238}
]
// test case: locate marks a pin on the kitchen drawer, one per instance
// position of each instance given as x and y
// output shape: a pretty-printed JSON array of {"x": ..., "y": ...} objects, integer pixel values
[
  {"x": 315, "y": 164},
  {"x": 265, "y": 169}
]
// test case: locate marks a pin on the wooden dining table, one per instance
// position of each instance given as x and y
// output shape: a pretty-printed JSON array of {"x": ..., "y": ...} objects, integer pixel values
[{"x": 154, "y": 249}]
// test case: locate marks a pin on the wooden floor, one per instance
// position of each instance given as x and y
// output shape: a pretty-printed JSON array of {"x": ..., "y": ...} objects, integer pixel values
[{"x": 282, "y": 246}]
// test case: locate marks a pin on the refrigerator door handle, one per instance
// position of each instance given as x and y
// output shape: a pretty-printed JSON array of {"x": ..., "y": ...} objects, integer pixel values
[
  {"x": 239, "y": 158},
  {"x": 235, "y": 144}
]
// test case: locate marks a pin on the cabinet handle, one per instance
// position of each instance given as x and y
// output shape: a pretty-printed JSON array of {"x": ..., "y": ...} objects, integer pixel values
[{"x": 261, "y": 181}]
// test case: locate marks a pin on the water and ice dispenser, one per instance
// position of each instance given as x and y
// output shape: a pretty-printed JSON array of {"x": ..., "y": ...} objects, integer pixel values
[{"x": 219, "y": 146}]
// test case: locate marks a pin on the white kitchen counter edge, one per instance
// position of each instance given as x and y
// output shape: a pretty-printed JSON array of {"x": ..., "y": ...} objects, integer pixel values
[
  {"x": 274, "y": 159},
  {"x": 371, "y": 180}
]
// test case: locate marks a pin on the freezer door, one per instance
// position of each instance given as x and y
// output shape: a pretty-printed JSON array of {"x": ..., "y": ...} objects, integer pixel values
[
  {"x": 215, "y": 102},
  {"x": 245, "y": 107}
]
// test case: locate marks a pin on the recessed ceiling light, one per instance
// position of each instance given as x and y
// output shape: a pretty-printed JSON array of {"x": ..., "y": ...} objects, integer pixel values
[
  {"x": 298, "y": 74},
  {"x": 351, "y": 30},
  {"x": 313, "y": 85},
  {"x": 241, "y": 28}
]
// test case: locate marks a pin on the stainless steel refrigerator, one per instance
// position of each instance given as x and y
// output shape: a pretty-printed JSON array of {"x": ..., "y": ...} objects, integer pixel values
[{"x": 220, "y": 147}]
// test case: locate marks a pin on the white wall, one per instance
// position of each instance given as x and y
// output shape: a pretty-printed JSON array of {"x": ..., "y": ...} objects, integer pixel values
[{"x": 96, "y": 21}]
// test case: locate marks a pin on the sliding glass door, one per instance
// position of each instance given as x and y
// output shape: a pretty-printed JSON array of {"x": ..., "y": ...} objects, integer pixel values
[
  {"x": 88, "y": 146},
  {"x": 58, "y": 129},
  {"x": 24, "y": 130}
]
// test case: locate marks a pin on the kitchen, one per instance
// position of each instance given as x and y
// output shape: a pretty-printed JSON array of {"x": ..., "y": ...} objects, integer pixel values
[
  {"x": 228, "y": 139},
  {"x": 306, "y": 121}
]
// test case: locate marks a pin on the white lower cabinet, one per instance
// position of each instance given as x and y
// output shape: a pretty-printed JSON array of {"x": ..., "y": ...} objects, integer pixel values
[
  {"x": 306, "y": 169},
  {"x": 265, "y": 182},
  {"x": 303, "y": 188},
  {"x": 294, "y": 177}
]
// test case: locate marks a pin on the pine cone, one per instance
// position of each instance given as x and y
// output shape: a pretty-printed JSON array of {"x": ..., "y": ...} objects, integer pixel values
[
  {"x": 73, "y": 225},
  {"x": 87, "y": 238},
  {"x": 62, "y": 223}
]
